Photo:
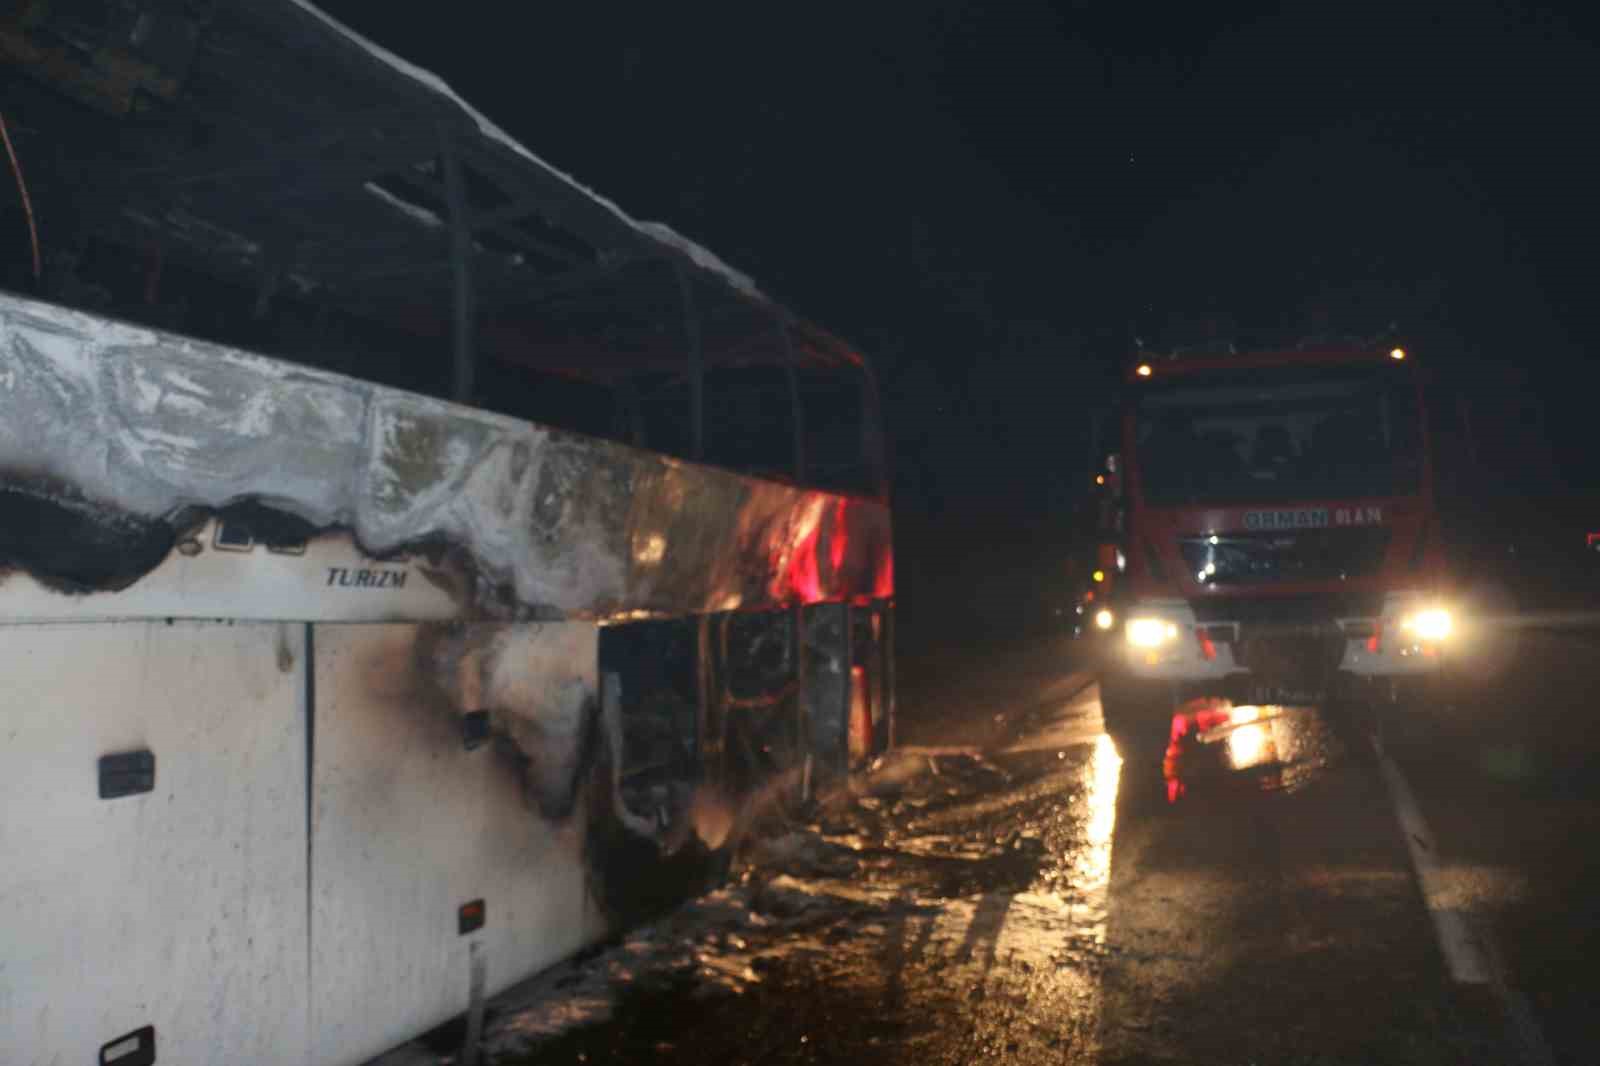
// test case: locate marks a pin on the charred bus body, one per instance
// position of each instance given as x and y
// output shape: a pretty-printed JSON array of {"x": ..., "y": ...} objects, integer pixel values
[{"x": 414, "y": 568}]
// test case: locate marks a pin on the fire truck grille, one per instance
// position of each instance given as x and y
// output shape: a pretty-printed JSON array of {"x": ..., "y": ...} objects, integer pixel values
[
  {"x": 1300, "y": 555},
  {"x": 1289, "y": 658}
]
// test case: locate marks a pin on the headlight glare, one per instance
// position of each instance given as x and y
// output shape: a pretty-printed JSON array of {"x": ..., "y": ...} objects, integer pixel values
[
  {"x": 1150, "y": 632},
  {"x": 1433, "y": 624}
]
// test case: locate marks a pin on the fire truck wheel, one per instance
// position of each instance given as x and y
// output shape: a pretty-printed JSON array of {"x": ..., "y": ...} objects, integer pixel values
[{"x": 1138, "y": 716}]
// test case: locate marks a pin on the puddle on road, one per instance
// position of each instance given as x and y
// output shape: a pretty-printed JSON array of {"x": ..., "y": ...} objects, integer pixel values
[
  {"x": 955, "y": 904},
  {"x": 1217, "y": 745},
  {"x": 953, "y": 883}
]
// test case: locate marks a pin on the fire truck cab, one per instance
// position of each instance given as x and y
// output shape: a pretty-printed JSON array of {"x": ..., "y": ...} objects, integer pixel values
[{"x": 1277, "y": 522}]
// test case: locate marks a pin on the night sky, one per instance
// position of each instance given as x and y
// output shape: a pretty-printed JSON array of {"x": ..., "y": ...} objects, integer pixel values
[{"x": 992, "y": 200}]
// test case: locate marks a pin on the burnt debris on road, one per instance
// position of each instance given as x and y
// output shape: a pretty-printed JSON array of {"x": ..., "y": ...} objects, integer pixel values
[{"x": 1006, "y": 888}]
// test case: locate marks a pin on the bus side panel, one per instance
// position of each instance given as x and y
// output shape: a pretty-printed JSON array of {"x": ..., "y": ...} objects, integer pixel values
[
  {"x": 410, "y": 825},
  {"x": 182, "y": 907}
]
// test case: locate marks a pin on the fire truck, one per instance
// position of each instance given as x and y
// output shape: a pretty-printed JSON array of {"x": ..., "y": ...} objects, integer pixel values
[{"x": 1276, "y": 523}]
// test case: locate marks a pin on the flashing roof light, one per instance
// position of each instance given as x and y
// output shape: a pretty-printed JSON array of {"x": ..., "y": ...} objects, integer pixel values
[
  {"x": 1397, "y": 354},
  {"x": 1143, "y": 370}
]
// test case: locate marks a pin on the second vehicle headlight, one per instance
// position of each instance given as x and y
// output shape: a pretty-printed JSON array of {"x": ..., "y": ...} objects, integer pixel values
[
  {"x": 1432, "y": 624},
  {"x": 1150, "y": 632}
]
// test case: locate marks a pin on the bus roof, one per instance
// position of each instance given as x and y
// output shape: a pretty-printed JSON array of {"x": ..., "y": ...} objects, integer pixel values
[{"x": 268, "y": 149}]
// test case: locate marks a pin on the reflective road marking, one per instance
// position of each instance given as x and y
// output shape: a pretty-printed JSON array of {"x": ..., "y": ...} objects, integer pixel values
[{"x": 1468, "y": 949}]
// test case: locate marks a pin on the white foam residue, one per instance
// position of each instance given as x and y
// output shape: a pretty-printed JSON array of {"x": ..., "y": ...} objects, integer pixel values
[
  {"x": 211, "y": 234},
  {"x": 147, "y": 424},
  {"x": 406, "y": 207},
  {"x": 58, "y": 343},
  {"x": 177, "y": 380},
  {"x": 166, "y": 444},
  {"x": 701, "y": 256},
  {"x": 257, "y": 415},
  {"x": 147, "y": 393},
  {"x": 183, "y": 403}
]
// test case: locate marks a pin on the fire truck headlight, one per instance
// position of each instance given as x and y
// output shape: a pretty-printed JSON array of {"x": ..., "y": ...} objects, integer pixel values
[
  {"x": 1104, "y": 619},
  {"x": 1433, "y": 624},
  {"x": 1151, "y": 632}
]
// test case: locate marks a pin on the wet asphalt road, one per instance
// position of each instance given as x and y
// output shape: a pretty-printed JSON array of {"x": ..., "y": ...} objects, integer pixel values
[{"x": 1006, "y": 888}]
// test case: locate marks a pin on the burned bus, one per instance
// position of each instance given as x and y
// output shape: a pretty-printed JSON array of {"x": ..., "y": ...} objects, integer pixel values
[{"x": 414, "y": 567}]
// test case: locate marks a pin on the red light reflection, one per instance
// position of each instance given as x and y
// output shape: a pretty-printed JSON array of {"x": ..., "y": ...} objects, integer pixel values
[
  {"x": 832, "y": 550},
  {"x": 804, "y": 577},
  {"x": 883, "y": 588},
  {"x": 839, "y": 536},
  {"x": 1194, "y": 717}
]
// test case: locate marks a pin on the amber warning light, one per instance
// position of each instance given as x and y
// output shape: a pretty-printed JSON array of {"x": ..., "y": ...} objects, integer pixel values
[
  {"x": 1397, "y": 354},
  {"x": 1143, "y": 370}
]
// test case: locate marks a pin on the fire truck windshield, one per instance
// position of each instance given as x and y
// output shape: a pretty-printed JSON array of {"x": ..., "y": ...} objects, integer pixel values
[{"x": 1277, "y": 435}]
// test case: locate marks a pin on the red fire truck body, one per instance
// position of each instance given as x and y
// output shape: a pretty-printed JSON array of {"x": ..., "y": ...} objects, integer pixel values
[{"x": 1278, "y": 524}]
